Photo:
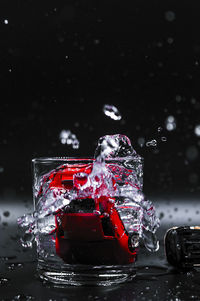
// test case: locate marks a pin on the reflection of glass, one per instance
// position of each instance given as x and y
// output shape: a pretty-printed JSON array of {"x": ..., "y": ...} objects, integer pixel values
[{"x": 85, "y": 240}]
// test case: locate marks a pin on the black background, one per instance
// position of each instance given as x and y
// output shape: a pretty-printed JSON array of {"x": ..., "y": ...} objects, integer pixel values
[{"x": 61, "y": 61}]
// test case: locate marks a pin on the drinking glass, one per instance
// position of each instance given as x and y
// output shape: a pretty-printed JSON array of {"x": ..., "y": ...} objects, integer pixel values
[{"x": 85, "y": 242}]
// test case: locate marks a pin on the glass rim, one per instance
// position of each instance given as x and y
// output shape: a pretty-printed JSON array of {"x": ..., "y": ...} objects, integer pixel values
[{"x": 69, "y": 159}]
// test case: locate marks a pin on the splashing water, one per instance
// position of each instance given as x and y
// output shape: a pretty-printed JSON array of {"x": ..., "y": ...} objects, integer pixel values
[
  {"x": 67, "y": 137},
  {"x": 116, "y": 173},
  {"x": 112, "y": 112}
]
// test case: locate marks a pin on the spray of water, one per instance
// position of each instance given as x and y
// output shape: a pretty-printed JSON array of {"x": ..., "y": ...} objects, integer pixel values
[{"x": 116, "y": 173}]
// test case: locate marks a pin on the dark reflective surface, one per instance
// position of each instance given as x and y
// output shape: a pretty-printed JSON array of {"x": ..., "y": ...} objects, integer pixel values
[{"x": 155, "y": 280}]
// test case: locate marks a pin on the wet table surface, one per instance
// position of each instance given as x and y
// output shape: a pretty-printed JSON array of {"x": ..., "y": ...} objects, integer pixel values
[{"x": 155, "y": 279}]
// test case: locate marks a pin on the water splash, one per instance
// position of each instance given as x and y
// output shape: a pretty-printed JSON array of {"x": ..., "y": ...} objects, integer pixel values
[
  {"x": 116, "y": 172},
  {"x": 112, "y": 112}
]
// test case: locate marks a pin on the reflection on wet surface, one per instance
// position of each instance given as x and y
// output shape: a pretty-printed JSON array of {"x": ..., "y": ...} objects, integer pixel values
[{"x": 155, "y": 280}]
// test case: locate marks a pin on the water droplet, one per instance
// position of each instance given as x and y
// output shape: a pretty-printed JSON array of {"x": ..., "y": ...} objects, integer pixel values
[
  {"x": 4, "y": 281},
  {"x": 67, "y": 137},
  {"x": 170, "y": 40},
  {"x": 164, "y": 139},
  {"x": 112, "y": 112},
  {"x": 6, "y": 213},
  {"x": 170, "y": 123},
  {"x": 23, "y": 297},
  {"x": 14, "y": 266},
  {"x": 96, "y": 42},
  {"x": 178, "y": 98},
  {"x": 1, "y": 169},
  {"x": 160, "y": 129},
  {"x": 170, "y": 16},
  {"x": 197, "y": 130},
  {"x": 5, "y": 21},
  {"x": 192, "y": 153},
  {"x": 141, "y": 141},
  {"x": 151, "y": 143}
]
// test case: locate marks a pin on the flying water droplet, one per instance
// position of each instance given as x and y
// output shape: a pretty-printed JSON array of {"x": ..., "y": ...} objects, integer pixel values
[
  {"x": 67, "y": 137},
  {"x": 170, "y": 16},
  {"x": 151, "y": 143},
  {"x": 170, "y": 123},
  {"x": 197, "y": 130},
  {"x": 14, "y": 266},
  {"x": 6, "y": 213},
  {"x": 4, "y": 281},
  {"x": 112, "y": 112},
  {"x": 141, "y": 141}
]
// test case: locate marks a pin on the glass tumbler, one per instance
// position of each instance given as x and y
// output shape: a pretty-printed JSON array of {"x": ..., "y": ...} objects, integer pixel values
[{"x": 84, "y": 241}]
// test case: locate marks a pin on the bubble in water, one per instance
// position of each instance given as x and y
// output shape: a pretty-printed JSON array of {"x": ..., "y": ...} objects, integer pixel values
[
  {"x": 151, "y": 143},
  {"x": 112, "y": 112},
  {"x": 170, "y": 123},
  {"x": 67, "y": 137},
  {"x": 164, "y": 139},
  {"x": 170, "y": 16},
  {"x": 161, "y": 215},
  {"x": 197, "y": 130},
  {"x": 160, "y": 129}
]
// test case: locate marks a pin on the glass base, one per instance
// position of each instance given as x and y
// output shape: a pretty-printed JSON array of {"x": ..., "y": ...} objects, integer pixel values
[{"x": 80, "y": 275}]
